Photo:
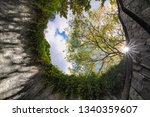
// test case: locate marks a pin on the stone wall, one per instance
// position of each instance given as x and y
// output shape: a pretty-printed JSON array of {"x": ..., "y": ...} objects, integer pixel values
[
  {"x": 20, "y": 78},
  {"x": 138, "y": 40}
]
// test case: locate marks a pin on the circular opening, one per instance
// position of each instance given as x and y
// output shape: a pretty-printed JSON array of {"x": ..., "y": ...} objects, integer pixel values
[{"x": 87, "y": 43}]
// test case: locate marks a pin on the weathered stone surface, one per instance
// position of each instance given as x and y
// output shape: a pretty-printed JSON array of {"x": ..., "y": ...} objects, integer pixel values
[
  {"x": 137, "y": 81},
  {"x": 146, "y": 63},
  {"x": 18, "y": 78},
  {"x": 145, "y": 13},
  {"x": 137, "y": 67},
  {"x": 143, "y": 48},
  {"x": 137, "y": 84},
  {"x": 146, "y": 89},
  {"x": 145, "y": 72},
  {"x": 134, "y": 95},
  {"x": 139, "y": 40},
  {"x": 148, "y": 41},
  {"x": 14, "y": 72},
  {"x": 137, "y": 75}
]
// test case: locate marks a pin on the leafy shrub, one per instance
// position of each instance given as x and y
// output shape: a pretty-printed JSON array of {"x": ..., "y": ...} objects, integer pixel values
[{"x": 83, "y": 87}]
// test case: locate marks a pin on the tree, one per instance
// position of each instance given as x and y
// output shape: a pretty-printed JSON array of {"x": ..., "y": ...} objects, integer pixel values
[
  {"x": 62, "y": 7},
  {"x": 95, "y": 40},
  {"x": 76, "y": 6}
]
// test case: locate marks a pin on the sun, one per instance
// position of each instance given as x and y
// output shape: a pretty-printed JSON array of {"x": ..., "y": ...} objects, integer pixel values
[{"x": 125, "y": 49}]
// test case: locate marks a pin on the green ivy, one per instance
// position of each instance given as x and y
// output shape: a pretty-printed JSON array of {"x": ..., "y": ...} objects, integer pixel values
[
  {"x": 72, "y": 87},
  {"x": 83, "y": 87}
]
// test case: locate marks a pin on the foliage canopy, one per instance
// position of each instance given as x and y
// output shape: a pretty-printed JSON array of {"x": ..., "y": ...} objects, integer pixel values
[{"x": 95, "y": 40}]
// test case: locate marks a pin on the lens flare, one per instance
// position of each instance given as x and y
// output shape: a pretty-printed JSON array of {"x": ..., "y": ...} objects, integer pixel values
[{"x": 125, "y": 49}]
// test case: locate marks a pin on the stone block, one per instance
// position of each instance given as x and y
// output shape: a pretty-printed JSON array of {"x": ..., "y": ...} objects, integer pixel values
[
  {"x": 139, "y": 41},
  {"x": 146, "y": 12},
  {"x": 137, "y": 80},
  {"x": 143, "y": 48},
  {"x": 137, "y": 84},
  {"x": 148, "y": 41},
  {"x": 137, "y": 67},
  {"x": 145, "y": 34},
  {"x": 134, "y": 95},
  {"x": 137, "y": 75},
  {"x": 145, "y": 72},
  {"x": 127, "y": 2},
  {"x": 146, "y": 89},
  {"x": 146, "y": 63}
]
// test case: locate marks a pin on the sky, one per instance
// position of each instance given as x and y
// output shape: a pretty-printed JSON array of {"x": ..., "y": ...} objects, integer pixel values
[{"x": 57, "y": 37}]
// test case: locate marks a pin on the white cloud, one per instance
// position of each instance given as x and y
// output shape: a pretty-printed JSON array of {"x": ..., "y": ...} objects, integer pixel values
[
  {"x": 58, "y": 44},
  {"x": 95, "y": 4}
]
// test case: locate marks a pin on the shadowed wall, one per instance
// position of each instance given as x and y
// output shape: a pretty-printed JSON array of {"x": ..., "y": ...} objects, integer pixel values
[
  {"x": 138, "y": 38},
  {"x": 20, "y": 77}
]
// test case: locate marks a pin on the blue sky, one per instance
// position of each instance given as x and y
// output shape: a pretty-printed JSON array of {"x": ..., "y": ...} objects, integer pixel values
[
  {"x": 57, "y": 37},
  {"x": 63, "y": 34}
]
